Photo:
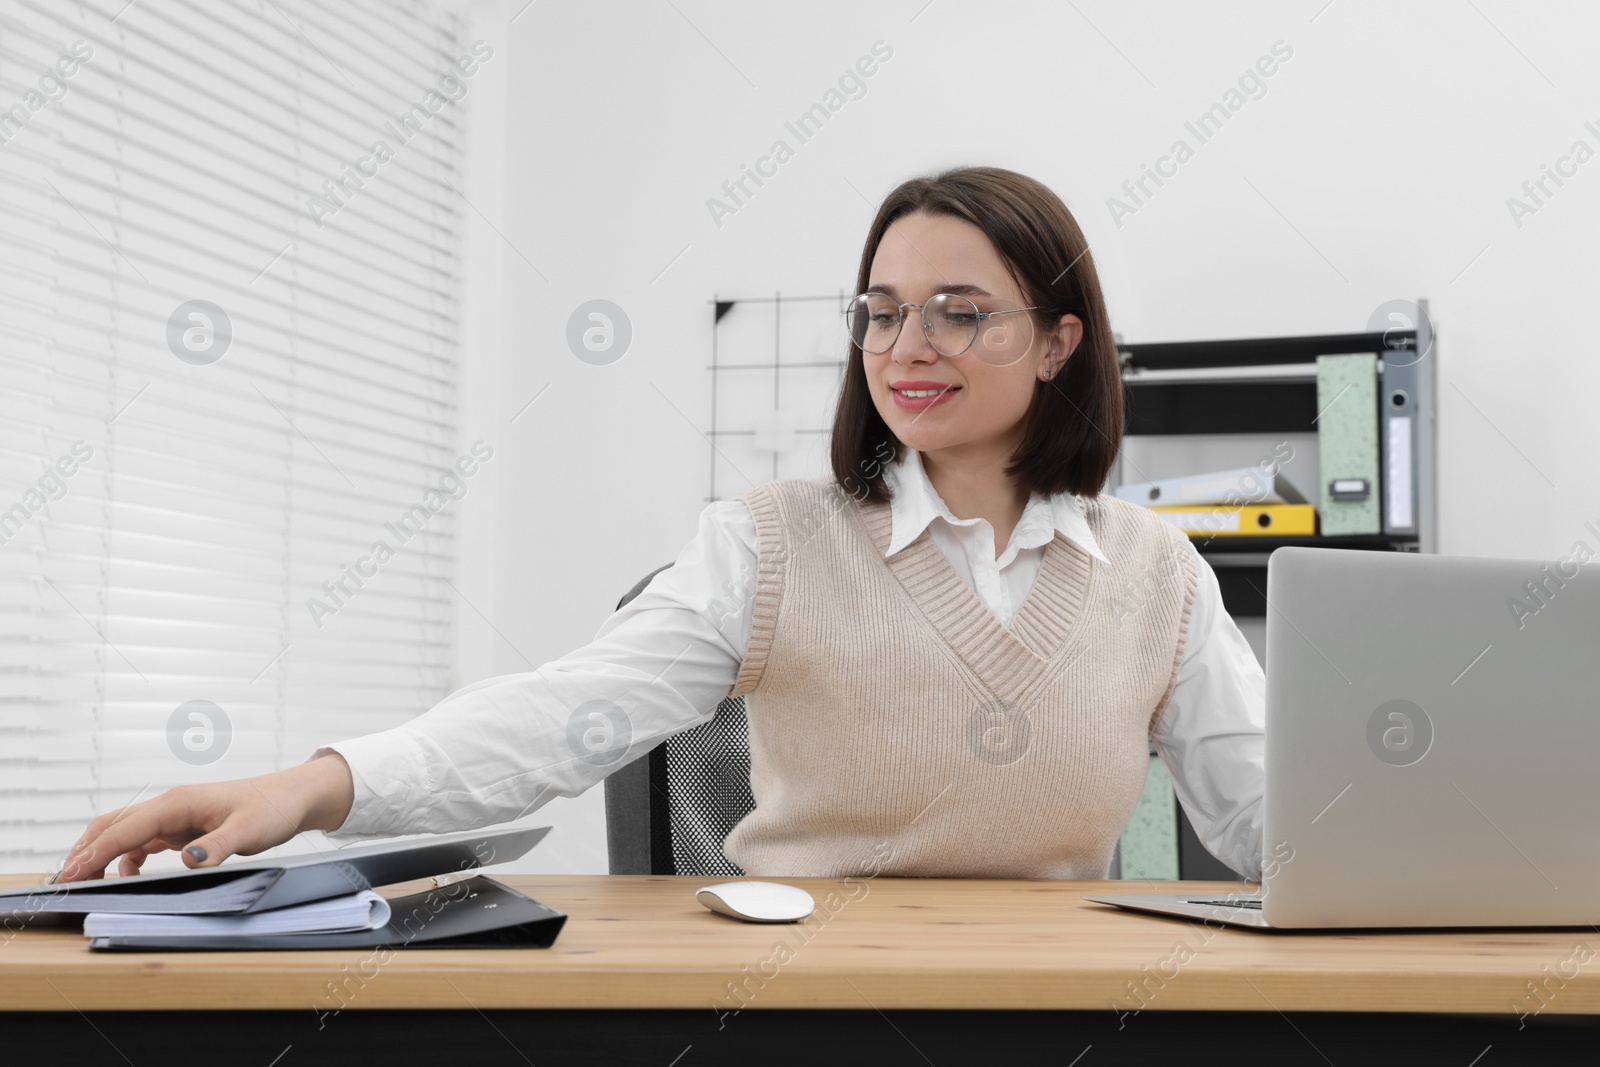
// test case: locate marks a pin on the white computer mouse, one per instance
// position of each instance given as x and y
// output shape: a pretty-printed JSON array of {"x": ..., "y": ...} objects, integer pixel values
[{"x": 758, "y": 902}]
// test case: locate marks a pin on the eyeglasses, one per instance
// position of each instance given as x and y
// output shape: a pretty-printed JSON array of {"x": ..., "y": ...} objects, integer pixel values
[{"x": 950, "y": 323}]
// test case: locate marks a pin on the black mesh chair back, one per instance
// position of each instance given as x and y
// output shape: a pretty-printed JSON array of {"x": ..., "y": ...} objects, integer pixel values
[{"x": 669, "y": 811}]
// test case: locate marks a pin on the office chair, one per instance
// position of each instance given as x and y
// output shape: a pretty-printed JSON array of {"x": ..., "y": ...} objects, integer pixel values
[{"x": 669, "y": 811}]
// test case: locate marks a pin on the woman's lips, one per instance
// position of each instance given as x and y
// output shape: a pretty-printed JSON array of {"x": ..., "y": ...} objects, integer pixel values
[{"x": 920, "y": 396}]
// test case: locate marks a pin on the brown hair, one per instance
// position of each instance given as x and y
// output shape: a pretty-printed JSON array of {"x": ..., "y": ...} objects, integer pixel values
[{"x": 1074, "y": 426}]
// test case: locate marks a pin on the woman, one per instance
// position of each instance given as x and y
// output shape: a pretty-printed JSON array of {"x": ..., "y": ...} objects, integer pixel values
[{"x": 955, "y": 649}]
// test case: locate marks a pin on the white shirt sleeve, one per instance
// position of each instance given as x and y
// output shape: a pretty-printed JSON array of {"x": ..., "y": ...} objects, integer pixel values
[
  {"x": 1212, "y": 736},
  {"x": 501, "y": 748}
]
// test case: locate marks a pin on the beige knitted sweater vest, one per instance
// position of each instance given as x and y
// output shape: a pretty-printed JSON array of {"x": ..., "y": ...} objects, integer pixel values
[{"x": 897, "y": 727}]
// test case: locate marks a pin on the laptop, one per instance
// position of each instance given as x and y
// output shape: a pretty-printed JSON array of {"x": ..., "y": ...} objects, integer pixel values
[{"x": 1432, "y": 739}]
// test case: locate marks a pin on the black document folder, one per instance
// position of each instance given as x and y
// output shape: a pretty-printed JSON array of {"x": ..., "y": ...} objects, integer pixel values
[
  {"x": 477, "y": 912},
  {"x": 251, "y": 886}
]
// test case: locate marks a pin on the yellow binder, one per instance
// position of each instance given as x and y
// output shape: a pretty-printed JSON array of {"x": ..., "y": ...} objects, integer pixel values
[{"x": 1248, "y": 520}]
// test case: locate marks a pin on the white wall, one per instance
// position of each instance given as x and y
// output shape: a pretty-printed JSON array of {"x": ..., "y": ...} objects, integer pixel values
[{"x": 1377, "y": 165}]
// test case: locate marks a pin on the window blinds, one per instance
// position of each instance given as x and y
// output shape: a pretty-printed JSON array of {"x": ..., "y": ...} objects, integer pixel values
[{"x": 227, "y": 376}]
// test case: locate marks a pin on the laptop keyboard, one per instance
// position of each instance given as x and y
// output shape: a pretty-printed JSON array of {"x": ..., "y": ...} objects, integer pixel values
[{"x": 1236, "y": 903}]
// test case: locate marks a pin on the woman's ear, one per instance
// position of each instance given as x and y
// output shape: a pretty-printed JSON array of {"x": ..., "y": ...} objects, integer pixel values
[
  {"x": 1070, "y": 330},
  {"x": 1064, "y": 340}
]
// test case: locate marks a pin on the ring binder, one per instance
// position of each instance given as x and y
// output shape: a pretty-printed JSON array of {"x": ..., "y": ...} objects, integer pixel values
[
  {"x": 1347, "y": 440},
  {"x": 477, "y": 913}
]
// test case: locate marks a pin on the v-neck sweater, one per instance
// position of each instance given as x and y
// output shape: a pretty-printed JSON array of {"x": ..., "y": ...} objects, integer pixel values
[{"x": 898, "y": 727}]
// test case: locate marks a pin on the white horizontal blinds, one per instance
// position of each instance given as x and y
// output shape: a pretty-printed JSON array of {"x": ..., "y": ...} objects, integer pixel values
[{"x": 175, "y": 563}]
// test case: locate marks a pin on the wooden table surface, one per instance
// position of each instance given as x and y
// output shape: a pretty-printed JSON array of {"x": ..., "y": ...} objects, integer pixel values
[{"x": 643, "y": 942}]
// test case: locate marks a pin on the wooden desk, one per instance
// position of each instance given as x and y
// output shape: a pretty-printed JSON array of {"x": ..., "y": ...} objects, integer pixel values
[{"x": 639, "y": 950}]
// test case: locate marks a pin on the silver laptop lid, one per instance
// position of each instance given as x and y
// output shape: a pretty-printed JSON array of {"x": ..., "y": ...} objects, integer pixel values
[{"x": 1433, "y": 729}]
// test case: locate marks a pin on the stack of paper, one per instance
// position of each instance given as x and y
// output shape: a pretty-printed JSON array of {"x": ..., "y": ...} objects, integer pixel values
[{"x": 365, "y": 910}]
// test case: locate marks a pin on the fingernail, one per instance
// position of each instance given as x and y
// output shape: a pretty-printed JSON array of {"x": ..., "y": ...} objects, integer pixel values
[{"x": 197, "y": 852}]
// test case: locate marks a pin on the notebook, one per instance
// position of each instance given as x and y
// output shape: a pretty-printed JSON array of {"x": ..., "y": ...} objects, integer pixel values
[{"x": 250, "y": 886}]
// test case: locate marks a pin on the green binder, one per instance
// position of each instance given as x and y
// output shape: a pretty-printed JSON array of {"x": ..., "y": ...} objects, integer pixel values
[{"x": 1347, "y": 440}]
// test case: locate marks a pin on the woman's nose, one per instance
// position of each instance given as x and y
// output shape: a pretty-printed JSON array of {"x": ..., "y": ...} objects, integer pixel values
[{"x": 912, "y": 345}]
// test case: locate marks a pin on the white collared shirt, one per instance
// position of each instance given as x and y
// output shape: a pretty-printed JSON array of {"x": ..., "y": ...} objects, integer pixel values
[
  {"x": 1003, "y": 580},
  {"x": 501, "y": 748}
]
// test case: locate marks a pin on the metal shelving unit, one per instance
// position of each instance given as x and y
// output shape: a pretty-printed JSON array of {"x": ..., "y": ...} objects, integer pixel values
[{"x": 1268, "y": 385}]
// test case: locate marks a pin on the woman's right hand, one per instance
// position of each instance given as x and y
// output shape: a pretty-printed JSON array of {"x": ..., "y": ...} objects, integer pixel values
[{"x": 214, "y": 821}]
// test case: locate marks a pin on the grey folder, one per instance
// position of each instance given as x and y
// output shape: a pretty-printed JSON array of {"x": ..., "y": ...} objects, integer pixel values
[
  {"x": 1402, "y": 440},
  {"x": 250, "y": 886}
]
